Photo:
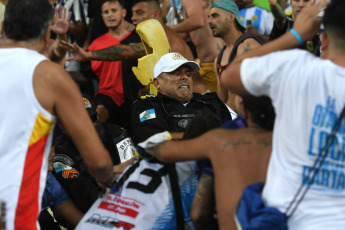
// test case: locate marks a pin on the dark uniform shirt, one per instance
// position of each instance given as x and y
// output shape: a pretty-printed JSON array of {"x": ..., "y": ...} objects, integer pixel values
[
  {"x": 154, "y": 114},
  {"x": 70, "y": 169}
]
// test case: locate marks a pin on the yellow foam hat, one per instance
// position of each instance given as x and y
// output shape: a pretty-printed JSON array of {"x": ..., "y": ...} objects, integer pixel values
[{"x": 156, "y": 45}]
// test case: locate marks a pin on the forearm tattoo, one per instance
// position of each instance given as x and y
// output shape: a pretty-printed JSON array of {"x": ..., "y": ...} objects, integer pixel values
[
  {"x": 119, "y": 52},
  {"x": 204, "y": 200}
]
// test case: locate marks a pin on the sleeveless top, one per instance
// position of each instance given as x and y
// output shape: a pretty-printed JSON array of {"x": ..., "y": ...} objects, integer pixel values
[{"x": 25, "y": 139}]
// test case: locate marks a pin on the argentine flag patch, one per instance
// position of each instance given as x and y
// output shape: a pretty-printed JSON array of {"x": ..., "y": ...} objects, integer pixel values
[{"x": 147, "y": 115}]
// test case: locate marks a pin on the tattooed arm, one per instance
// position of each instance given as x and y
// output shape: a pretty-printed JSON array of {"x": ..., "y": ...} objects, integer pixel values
[
  {"x": 119, "y": 52},
  {"x": 113, "y": 53},
  {"x": 204, "y": 204},
  {"x": 278, "y": 13},
  {"x": 247, "y": 45}
]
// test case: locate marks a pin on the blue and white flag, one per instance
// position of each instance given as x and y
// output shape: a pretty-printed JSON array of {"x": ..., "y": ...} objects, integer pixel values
[{"x": 147, "y": 115}]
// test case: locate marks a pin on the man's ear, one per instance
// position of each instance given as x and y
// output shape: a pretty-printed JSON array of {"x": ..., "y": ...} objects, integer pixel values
[
  {"x": 231, "y": 17},
  {"x": 245, "y": 112},
  {"x": 157, "y": 14},
  {"x": 156, "y": 83},
  {"x": 46, "y": 34},
  {"x": 124, "y": 13},
  {"x": 324, "y": 41}
]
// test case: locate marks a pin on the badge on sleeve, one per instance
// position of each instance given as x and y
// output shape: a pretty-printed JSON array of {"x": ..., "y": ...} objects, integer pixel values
[{"x": 147, "y": 115}]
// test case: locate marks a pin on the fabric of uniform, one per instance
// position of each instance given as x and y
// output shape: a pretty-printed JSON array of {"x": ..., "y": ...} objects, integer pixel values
[
  {"x": 310, "y": 45},
  {"x": 71, "y": 172},
  {"x": 143, "y": 199},
  {"x": 261, "y": 19},
  {"x": 308, "y": 94},
  {"x": 70, "y": 169},
  {"x": 76, "y": 7},
  {"x": 25, "y": 146},
  {"x": 152, "y": 115}
]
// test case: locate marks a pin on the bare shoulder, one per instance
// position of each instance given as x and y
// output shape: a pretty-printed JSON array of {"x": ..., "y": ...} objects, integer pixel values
[
  {"x": 50, "y": 82},
  {"x": 247, "y": 45},
  {"x": 188, "y": 4}
]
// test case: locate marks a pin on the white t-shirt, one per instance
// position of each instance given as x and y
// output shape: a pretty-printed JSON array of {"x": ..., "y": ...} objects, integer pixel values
[{"x": 308, "y": 94}]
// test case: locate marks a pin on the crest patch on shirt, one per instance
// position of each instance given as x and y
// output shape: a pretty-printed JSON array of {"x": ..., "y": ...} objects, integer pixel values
[{"x": 147, "y": 115}]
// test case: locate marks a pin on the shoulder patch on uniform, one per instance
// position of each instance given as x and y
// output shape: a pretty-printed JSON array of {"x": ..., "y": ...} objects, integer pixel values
[
  {"x": 147, "y": 96},
  {"x": 147, "y": 115}
]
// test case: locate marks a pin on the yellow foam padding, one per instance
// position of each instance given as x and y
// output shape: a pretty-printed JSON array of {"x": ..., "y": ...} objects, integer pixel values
[{"x": 156, "y": 44}]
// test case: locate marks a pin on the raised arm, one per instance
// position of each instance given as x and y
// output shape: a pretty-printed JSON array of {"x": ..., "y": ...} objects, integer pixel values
[
  {"x": 278, "y": 13},
  {"x": 307, "y": 24},
  {"x": 194, "y": 149},
  {"x": 113, "y": 53},
  {"x": 60, "y": 28},
  {"x": 59, "y": 94},
  {"x": 193, "y": 17}
]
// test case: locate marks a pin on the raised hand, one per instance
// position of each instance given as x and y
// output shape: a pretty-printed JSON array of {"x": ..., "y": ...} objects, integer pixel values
[
  {"x": 61, "y": 21},
  {"x": 273, "y": 2},
  {"x": 79, "y": 54},
  {"x": 307, "y": 23}
]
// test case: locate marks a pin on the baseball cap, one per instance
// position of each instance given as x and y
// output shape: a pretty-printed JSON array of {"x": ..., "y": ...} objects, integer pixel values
[
  {"x": 171, "y": 61},
  {"x": 230, "y": 6},
  {"x": 89, "y": 106}
]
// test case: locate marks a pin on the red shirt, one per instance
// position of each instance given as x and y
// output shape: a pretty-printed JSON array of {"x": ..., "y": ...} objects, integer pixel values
[{"x": 109, "y": 72}]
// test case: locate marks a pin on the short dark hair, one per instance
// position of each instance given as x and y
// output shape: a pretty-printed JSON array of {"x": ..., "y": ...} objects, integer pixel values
[
  {"x": 27, "y": 19},
  {"x": 121, "y": 2},
  {"x": 152, "y": 3},
  {"x": 334, "y": 21},
  {"x": 261, "y": 110},
  {"x": 200, "y": 125}
]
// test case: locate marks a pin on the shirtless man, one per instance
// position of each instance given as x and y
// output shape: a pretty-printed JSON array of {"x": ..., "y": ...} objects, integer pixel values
[{"x": 225, "y": 23}]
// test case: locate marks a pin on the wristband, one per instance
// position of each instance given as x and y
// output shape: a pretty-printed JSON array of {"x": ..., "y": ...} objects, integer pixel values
[{"x": 297, "y": 36}]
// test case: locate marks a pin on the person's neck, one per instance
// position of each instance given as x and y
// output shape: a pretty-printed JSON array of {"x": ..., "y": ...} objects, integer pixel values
[
  {"x": 254, "y": 126},
  {"x": 336, "y": 57},
  {"x": 118, "y": 32},
  {"x": 232, "y": 37},
  {"x": 9, "y": 43}
]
